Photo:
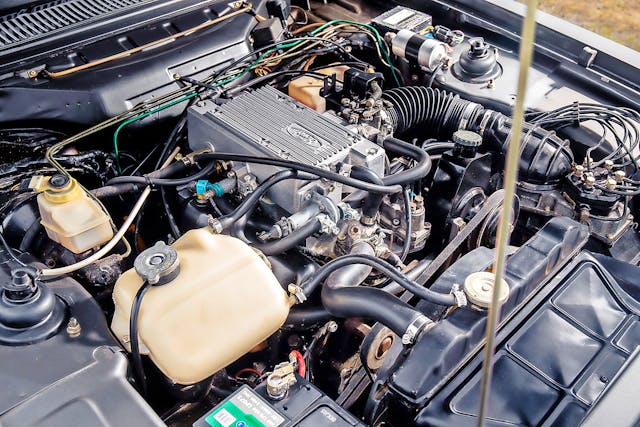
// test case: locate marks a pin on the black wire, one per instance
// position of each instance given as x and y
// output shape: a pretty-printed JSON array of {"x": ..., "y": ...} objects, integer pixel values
[
  {"x": 322, "y": 173},
  {"x": 253, "y": 53},
  {"x": 147, "y": 157},
  {"x": 274, "y": 75},
  {"x": 171, "y": 139},
  {"x": 11, "y": 253},
  {"x": 133, "y": 337},
  {"x": 619, "y": 193},
  {"x": 434, "y": 74},
  {"x": 173, "y": 226}
]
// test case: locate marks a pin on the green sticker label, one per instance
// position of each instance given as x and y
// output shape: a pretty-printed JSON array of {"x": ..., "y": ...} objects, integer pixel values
[{"x": 244, "y": 409}]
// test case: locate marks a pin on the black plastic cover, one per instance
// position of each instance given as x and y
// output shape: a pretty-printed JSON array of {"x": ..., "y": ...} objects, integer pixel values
[
  {"x": 90, "y": 96},
  {"x": 556, "y": 356},
  {"x": 73, "y": 378}
]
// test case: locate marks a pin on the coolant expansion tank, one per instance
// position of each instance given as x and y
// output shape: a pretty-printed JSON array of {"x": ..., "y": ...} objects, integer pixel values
[{"x": 224, "y": 301}]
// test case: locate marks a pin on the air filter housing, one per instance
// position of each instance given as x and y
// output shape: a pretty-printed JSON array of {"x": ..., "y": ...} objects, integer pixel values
[{"x": 268, "y": 123}]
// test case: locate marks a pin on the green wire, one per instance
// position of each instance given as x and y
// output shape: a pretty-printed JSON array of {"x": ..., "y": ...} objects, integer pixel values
[
  {"x": 375, "y": 32},
  {"x": 139, "y": 117},
  {"x": 252, "y": 65}
]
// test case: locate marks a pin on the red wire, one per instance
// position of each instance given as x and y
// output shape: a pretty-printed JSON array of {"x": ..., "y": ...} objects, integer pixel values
[{"x": 302, "y": 367}]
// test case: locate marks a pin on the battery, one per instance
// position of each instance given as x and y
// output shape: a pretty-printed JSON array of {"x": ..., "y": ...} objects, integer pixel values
[
  {"x": 402, "y": 18},
  {"x": 303, "y": 406}
]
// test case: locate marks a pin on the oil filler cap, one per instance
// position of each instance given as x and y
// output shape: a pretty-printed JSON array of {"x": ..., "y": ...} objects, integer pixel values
[
  {"x": 158, "y": 264},
  {"x": 479, "y": 289}
]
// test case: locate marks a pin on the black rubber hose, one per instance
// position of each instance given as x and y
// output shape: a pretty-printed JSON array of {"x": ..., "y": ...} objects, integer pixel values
[
  {"x": 322, "y": 173},
  {"x": 116, "y": 190},
  {"x": 342, "y": 297},
  {"x": 295, "y": 238},
  {"x": 133, "y": 337},
  {"x": 150, "y": 179},
  {"x": 251, "y": 201},
  {"x": 439, "y": 111},
  {"x": 373, "y": 200},
  {"x": 307, "y": 317},
  {"x": 418, "y": 172},
  {"x": 544, "y": 159},
  {"x": 384, "y": 267}
]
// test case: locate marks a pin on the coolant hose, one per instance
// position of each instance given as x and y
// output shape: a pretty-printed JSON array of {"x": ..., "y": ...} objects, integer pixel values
[
  {"x": 306, "y": 317},
  {"x": 342, "y": 297}
]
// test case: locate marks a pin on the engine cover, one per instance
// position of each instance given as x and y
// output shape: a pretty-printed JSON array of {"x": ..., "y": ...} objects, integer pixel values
[{"x": 268, "y": 123}]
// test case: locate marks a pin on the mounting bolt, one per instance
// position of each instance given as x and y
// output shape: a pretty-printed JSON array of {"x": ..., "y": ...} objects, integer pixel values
[
  {"x": 177, "y": 76},
  {"x": 619, "y": 176},
  {"x": 608, "y": 164},
  {"x": 611, "y": 183},
  {"x": 73, "y": 327},
  {"x": 33, "y": 74}
]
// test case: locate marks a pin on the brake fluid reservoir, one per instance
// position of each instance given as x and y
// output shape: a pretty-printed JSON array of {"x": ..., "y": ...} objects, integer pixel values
[
  {"x": 223, "y": 302},
  {"x": 69, "y": 215}
]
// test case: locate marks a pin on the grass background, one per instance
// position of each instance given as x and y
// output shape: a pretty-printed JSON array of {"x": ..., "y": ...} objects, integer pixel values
[{"x": 618, "y": 20}]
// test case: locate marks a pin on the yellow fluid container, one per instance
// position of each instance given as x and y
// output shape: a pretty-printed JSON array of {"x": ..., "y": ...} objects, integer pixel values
[
  {"x": 69, "y": 215},
  {"x": 224, "y": 301},
  {"x": 306, "y": 90}
]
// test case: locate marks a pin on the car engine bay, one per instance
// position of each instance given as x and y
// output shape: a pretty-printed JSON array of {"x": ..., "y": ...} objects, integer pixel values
[{"x": 285, "y": 214}]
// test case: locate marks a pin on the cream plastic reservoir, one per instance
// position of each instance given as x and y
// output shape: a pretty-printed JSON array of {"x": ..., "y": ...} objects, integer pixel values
[
  {"x": 224, "y": 301},
  {"x": 69, "y": 215}
]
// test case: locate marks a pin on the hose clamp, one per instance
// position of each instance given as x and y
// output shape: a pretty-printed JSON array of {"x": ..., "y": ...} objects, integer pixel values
[
  {"x": 459, "y": 295},
  {"x": 466, "y": 115},
  {"x": 297, "y": 292},
  {"x": 414, "y": 329},
  {"x": 190, "y": 159},
  {"x": 215, "y": 225},
  {"x": 483, "y": 122},
  {"x": 327, "y": 226}
]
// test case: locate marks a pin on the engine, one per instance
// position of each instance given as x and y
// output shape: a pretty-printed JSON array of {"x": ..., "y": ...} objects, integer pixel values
[{"x": 275, "y": 214}]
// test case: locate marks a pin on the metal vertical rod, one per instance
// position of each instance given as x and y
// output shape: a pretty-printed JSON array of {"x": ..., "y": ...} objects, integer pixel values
[{"x": 504, "y": 227}]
